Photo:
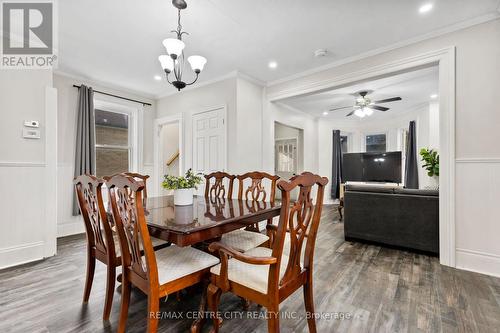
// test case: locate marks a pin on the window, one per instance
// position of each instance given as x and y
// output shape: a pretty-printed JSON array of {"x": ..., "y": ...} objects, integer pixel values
[
  {"x": 343, "y": 144},
  {"x": 375, "y": 143},
  {"x": 286, "y": 155},
  {"x": 113, "y": 148}
]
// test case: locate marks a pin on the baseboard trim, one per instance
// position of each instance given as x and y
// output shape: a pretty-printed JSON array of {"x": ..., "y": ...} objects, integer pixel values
[
  {"x": 479, "y": 262},
  {"x": 71, "y": 228},
  {"x": 21, "y": 254}
]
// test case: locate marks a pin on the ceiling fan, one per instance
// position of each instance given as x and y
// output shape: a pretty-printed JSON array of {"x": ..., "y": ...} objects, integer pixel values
[{"x": 364, "y": 106}]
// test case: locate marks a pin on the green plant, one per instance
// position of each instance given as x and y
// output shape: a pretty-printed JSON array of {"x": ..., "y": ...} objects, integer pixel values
[
  {"x": 190, "y": 180},
  {"x": 430, "y": 157}
]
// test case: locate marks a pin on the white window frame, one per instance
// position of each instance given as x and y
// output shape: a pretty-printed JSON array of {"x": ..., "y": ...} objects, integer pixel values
[
  {"x": 377, "y": 133},
  {"x": 135, "y": 126}
]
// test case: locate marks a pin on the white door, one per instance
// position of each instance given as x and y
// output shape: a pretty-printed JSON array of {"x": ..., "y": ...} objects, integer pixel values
[{"x": 209, "y": 142}]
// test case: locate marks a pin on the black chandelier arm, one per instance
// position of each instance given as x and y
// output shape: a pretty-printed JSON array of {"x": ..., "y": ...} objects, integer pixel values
[
  {"x": 195, "y": 79},
  {"x": 166, "y": 75}
]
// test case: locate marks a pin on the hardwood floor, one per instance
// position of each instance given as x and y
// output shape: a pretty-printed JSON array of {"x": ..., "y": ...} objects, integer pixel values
[{"x": 382, "y": 290}]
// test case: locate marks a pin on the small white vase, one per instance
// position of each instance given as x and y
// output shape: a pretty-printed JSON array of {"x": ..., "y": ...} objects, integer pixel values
[
  {"x": 433, "y": 184},
  {"x": 183, "y": 197}
]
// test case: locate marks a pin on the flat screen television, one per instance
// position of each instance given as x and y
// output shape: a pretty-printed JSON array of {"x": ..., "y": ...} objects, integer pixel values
[{"x": 372, "y": 167}]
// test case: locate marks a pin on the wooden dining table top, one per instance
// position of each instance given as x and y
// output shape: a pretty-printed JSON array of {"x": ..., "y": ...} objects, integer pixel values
[{"x": 205, "y": 219}]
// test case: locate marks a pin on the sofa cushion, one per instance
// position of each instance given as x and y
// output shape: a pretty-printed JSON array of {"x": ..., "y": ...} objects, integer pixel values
[
  {"x": 413, "y": 191},
  {"x": 370, "y": 188}
]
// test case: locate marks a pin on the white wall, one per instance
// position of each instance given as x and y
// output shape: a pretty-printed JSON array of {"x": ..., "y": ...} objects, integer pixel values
[
  {"x": 277, "y": 112},
  {"x": 249, "y": 127},
  {"x": 66, "y": 136},
  {"x": 28, "y": 184},
  {"x": 243, "y": 102},
  {"x": 476, "y": 128}
]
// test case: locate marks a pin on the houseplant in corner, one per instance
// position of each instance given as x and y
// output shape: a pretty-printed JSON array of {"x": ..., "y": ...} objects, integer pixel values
[
  {"x": 183, "y": 187},
  {"x": 430, "y": 158}
]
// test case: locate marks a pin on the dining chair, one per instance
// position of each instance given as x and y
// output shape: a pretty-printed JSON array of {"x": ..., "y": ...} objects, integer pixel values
[
  {"x": 254, "y": 188},
  {"x": 241, "y": 239},
  {"x": 267, "y": 276},
  {"x": 159, "y": 273},
  {"x": 102, "y": 241},
  {"x": 217, "y": 189},
  {"x": 144, "y": 178}
]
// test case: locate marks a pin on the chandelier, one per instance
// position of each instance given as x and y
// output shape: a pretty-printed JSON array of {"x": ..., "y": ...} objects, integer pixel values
[{"x": 173, "y": 61}]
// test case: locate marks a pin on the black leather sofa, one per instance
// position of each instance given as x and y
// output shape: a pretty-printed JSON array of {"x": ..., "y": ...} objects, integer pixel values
[{"x": 394, "y": 216}]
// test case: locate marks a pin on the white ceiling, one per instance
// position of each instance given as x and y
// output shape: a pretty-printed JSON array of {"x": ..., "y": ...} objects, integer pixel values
[
  {"x": 415, "y": 88},
  {"x": 118, "y": 41}
]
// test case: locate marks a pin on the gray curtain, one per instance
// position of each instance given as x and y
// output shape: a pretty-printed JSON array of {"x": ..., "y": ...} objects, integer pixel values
[
  {"x": 85, "y": 137},
  {"x": 411, "y": 163},
  {"x": 336, "y": 165}
]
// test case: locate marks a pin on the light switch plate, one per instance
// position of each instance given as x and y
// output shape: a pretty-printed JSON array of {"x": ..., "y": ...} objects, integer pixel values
[
  {"x": 32, "y": 123},
  {"x": 29, "y": 133}
]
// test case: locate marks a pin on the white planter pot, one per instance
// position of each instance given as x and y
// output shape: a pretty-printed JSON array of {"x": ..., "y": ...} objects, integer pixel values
[
  {"x": 434, "y": 183},
  {"x": 183, "y": 197}
]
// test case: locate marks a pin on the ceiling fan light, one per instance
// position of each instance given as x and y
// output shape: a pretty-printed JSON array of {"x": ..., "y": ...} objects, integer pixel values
[
  {"x": 174, "y": 47},
  {"x": 360, "y": 113},
  {"x": 368, "y": 111},
  {"x": 166, "y": 63},
  {"x": 197, "y": 63}
]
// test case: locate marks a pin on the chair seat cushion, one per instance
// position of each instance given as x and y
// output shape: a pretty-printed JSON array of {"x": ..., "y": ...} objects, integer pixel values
[
  {"x": 175, "y": 262},
  {"x": 252, "y": 276},
  {"x": 156, "y": 242},
  {"x": 243, "y": 240}
]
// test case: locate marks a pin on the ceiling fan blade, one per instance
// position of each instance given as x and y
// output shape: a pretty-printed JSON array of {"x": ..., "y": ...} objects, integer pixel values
[
  {"x": 350, "y": 113},
  {"x": 393, "y": 99},
  {"x": 344, "y": 107},
  {"x": 377, "y": 107}
]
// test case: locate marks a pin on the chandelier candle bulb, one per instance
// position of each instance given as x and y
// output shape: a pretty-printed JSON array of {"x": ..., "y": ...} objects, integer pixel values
[
  {"x": 197, "y": 63},
  {"x": 166, "y": 63},
  {"x": 174, "y": 47}
]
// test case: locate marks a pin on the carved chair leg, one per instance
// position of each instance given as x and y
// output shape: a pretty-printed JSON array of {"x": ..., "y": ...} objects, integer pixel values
[
  {"x": 273, "y": 319},
  {"x": 309, "y": 303},
  {"x": 153, "y": 308},
  {"x": 213, "y": 297},
  {"x": 90, "y": 275},
  {"x": 126, "y": 288},
  {"x": 110, "y": 289}
]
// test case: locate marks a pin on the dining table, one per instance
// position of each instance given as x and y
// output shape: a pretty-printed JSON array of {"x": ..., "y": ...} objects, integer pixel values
[{"x": 206, "y": 220}]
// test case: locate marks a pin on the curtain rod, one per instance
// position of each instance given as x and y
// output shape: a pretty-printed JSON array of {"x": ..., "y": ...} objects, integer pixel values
[{"x": 125, "y": 98}]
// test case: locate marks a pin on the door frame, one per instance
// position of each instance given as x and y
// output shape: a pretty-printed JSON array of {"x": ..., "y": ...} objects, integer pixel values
[
  {"x": 158, "y": 124},
  {"x": 445, "y": 59},
  {"x": 224, "y": 143}
]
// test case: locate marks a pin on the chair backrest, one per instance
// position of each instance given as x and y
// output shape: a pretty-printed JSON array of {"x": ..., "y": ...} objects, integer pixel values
[
  {"x": 256, "y": 189},
  {"x": 144, "y": 178},
  {"x": 89, "y": 194},
  {"x": 299, "y": 220},
  {"x": 217, "y": 189},
  {"x": 125, "y": 194}
]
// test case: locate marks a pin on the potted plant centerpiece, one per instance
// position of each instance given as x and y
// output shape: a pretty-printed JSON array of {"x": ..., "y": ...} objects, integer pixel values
[
  {"x": 183, "y": 187},
  {"x": 430, "y": 157}
]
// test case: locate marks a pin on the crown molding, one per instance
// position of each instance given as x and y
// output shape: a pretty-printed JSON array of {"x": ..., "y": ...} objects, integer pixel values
[
  {"x": 449, "y": 29},
  {"x": 106, "y": 85}
]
